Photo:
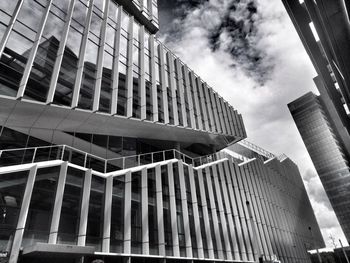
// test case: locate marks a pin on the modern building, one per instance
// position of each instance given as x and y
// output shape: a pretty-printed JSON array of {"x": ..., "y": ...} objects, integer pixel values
[
  {"x": 111, "y": 149},
  {"x": 321, "y": 140},
  {"x": 324, "y": 29}
]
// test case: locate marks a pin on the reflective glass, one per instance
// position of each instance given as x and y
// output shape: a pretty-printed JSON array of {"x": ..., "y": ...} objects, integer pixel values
[
  {"x": 152, "y": 212},
  {"x": 69, "y": 220},
  {"x": 40, "y": 76},
  {"x": 11, "y": 195},
  {"x": 42, "y": 202},
  {"x": 136, "y": 218},
  {"x": 166, "y": 212},
  {"x": 68, "y": 71},
  {"x": 117, "y": 221},
  {"x": 95, "y": 217},
  {"x": 18, "y": 47}
]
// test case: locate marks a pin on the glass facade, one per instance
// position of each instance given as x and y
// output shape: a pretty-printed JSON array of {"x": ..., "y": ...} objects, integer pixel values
[
  {"x": 326, "y": 151},
  {"x": 186, "y": 191},
  {"x": 87, "y": 57},
  {"x": 99, "y": 171}
]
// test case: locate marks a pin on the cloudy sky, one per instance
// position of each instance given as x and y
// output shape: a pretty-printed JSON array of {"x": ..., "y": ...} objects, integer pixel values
[{"x": 249, "y": 52}]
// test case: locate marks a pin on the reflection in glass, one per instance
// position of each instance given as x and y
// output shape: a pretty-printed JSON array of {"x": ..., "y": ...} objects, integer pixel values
[
  {"x": 136, "y": 219},
  {"x": 152, "y": 212},
  {"x": 11, "y": 195},
  {"x": 95, "y": 217},
  {"x": 179, "y": 215},
  {"x": 37, "y": 227},
  {"x": 166, "y": 212},
  {"x": 69, "y": 221},
  {"x": 17, "y": 49},
  {"x": 117, "y": 222},
  {"x": 40, "y": 76},
  {"x": 68, "y": 71},
  {"x": 89, "y": 76}
]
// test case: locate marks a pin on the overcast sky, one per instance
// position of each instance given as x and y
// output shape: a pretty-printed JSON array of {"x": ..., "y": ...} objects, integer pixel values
[{"x": 249, "y": 51}]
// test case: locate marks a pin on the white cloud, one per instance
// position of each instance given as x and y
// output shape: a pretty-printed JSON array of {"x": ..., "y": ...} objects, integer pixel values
[{"x": 264, "y": 107}]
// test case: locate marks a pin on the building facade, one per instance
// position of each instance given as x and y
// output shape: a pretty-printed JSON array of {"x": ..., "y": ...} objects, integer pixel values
[
  {"x": 110, "y": 149},
  {"x": 324, "y": 29},
  {"x": 321, "y": 140}
]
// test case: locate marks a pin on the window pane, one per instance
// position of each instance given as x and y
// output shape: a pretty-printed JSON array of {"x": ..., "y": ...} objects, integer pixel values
[
  {"x": 95, "y": 218},
  {"x": 69, "y": 221},
  {"x": 117, "y": 223},
  {"x": 11, "y": 195},
  {"x": 41, "y": 205}
]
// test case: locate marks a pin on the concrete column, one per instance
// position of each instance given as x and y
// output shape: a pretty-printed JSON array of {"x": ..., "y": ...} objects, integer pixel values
[
  {"x": 197, "y": 225},
  {"x": 240, "y": 214},
  {"x": 127, "y": 214},
  {"x": 205, "y": 215},
  {"x": 84, "y": 208},
  {"x": 225, "y": 184},
  {"x": 185, "y": 210},
  {"x": 56, "y": 214},
  {"x": 160, "y": 218},
  {"x": 173, "y": 214},
  {"x": 230, "y": 173},
  {"x": 22, "y": 218},
  {"x": 214, "y": 213},
  {"x": 221, "y": 210},
  {"x": 107, "y": 215},
  {"x": 252, "y": 253},
  {"x": 144, "y": 212}
]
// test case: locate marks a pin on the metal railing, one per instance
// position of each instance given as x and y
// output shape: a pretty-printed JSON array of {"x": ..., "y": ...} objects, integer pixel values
[
  {"x": 75, "y": 156},
  {"x": 257, "y": 149}
]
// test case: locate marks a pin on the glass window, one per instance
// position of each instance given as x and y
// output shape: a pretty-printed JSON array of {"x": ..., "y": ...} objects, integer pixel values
[
  {"x": 136, "y": 218},
  {"x": 89, "y": 76},
  {"x": 129, "y": 146},
  {"x": 121, "y": 106},
  {"x": 152, "y": 212},
  {"x": 106, "y": 87},
  {"x": 166, "y": 212},
  {"x": 117, "y": 223},
  {"x": 136, "y": 97},
  {"x": 37, "y": 227},
  {"x": 149, "y": 110},
  {"x": 68, "y": 71},
  {"x": 69, "y": 221},
  {"x": 11, "y": 195},
  {"x": 96, "y": 211},
  {"x": 18, "y": 47},
  {"x": 11, "y": 139},
  {"x": 40, "y": 76},
  {"x": 6, "y": 10}
]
